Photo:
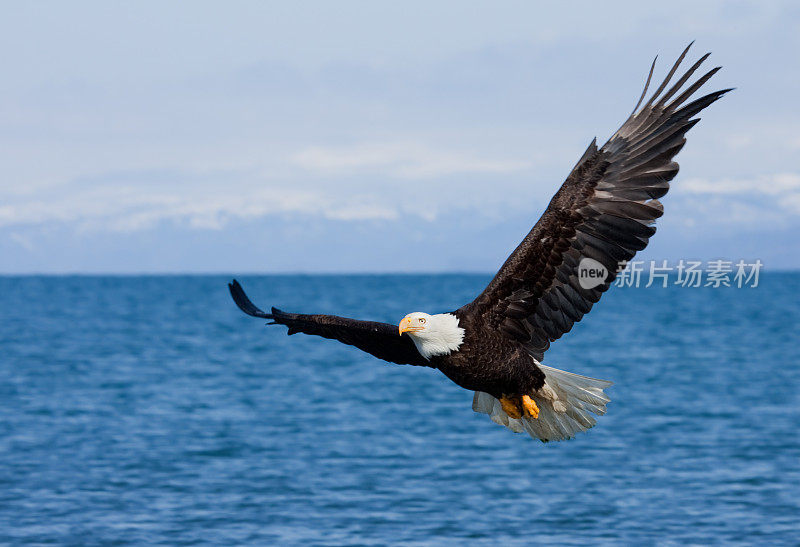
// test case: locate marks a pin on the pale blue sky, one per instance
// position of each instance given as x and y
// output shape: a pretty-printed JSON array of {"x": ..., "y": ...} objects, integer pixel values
[{"x": 369, "y": 136}]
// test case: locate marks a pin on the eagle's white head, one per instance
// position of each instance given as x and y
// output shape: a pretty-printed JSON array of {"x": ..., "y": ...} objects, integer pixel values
[{"x": 433, "y": 334}]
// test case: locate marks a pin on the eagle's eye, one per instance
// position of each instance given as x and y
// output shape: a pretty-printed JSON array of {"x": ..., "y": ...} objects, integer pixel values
[{"x": 421, "y": 319}]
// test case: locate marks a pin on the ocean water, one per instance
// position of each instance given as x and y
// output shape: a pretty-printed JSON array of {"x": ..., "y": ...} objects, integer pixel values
[{"x": 149, "y": 410}]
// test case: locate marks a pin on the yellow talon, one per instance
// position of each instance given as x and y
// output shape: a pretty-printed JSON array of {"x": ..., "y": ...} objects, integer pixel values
[
  {"x": 530, "y": 406},
  {"x": 511, "y": 407}
]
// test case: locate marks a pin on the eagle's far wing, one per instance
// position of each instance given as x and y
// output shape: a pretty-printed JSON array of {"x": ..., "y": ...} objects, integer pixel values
[
  {"x": 379, "y": 339},
  {"x": 605, "y": 211}
]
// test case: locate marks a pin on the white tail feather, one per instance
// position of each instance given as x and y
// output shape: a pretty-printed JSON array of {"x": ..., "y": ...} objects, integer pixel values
[{"x": 566, "y": 404}]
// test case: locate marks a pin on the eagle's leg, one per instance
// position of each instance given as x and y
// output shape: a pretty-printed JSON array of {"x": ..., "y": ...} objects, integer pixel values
[
  {"x": 511, "y": 406},
  {"x": 530, "y": 406}
]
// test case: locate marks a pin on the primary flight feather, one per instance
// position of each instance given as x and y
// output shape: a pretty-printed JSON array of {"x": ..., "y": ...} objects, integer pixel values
[{"x": 605, "y": 211}]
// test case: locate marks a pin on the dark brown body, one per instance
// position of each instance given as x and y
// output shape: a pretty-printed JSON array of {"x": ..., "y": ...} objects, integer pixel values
[{"x": 488, "y": 361}]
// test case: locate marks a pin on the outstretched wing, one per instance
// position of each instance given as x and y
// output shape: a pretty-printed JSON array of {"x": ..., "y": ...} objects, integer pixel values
[
  {"x": 379, "y": 339},
  {"x": 605, "y": 211}
]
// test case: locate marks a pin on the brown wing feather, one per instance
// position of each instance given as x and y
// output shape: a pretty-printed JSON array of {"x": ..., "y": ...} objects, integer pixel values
[
  {"x": 605, "y": 210},
  {"x": 379, "y": 339}
]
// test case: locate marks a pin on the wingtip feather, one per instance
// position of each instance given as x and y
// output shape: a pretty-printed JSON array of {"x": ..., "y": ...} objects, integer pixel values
[{"x": 244, "y": 303}]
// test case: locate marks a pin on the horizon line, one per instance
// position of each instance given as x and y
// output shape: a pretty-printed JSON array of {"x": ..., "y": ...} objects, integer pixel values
[{"x": 279, "y": 274}]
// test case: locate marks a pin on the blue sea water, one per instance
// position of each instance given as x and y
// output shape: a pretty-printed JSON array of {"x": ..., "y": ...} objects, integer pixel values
[{"x": 147, "y": 410}]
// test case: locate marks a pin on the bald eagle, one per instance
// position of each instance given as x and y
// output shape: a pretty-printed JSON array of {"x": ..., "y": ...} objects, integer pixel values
[{"x": 603, "y": 213}]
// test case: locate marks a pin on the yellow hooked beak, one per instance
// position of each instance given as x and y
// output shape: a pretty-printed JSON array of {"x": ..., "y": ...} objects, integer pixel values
[{"x": 407, "y": 325}]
